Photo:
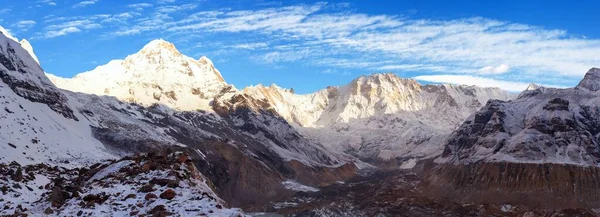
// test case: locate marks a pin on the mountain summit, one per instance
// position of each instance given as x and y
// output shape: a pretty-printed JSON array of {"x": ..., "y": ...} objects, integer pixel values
[
  {"x": 158, "y": 73},
  {"x": 591, "y": 80}
]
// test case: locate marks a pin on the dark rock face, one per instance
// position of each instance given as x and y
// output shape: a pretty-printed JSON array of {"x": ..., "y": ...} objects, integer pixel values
[
  {"x": 535, "y": 185},
  {"x": 26, "y": 78},
  {"x": 539, "y": 128},
  {"x": 488, "y": 120},
  {"x": 557, "y": 104}
]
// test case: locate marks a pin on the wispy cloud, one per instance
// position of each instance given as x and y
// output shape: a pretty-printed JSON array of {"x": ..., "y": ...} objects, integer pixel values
[
  {"x": 61, "y": 32},
  {"x": 25, "y": 24},
  {"x": 69, "y": 27},
  {"x": 139, "y": 6},
  {"x": 513, "y": 86},
  {"x": 85, "y": 3},
  {"x": 165, "y": 1},
  {"x": 249, "y": 46},
  {"x": 46, "y": 2},
  {"x": 500, "y": 69}
]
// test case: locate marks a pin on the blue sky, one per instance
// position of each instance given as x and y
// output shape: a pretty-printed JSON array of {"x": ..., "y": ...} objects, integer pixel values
[{"x": 308, "y": 45}]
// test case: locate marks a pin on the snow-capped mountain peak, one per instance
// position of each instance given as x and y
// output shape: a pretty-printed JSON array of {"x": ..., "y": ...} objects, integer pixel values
[
  {"x": 533, "y": 86},
  {"x": 591, "y": 80},
  {"x": 158, "y": 73}
]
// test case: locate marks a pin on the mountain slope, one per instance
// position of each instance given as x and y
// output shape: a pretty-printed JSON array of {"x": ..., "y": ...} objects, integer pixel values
[
  {"x": 541, "y": 149},
  {"x": 37, "y": 121},
  {"x": 544, "y": 125}
]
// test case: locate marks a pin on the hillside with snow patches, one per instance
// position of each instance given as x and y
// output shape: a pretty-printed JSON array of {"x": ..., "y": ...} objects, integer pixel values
[
  {"x": 380, "y": 116},
  {"x": 543, "y": 125}
]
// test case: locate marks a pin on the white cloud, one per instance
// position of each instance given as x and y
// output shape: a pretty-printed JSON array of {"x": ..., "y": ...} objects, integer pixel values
[
  {"x": 140, "y": 6},
  {"x": 278, "y": 57},
  {"x": 85, "y": 3},
  {"x": 25, "y": 24},
  {"x": 478, "y": 81},
  {"x": 61, "y": 32},
  {"x": 46, "y": 2},
  {"x": 5, "y": 10},
  {"x": 500, "y": 69},
  {"x": 165, "y": 1},
  {"x": 69, "y": 27},
  {"x": 249, "y": 46}
]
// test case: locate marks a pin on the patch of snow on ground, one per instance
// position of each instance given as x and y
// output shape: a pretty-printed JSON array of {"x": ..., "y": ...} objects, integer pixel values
[
  {"x": 409, "y": 164},
  {"x": 295, "y": 186}
]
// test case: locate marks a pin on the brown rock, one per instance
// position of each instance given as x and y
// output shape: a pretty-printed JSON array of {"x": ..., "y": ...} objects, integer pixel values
[
  {"x": 150, "y": 196},
  {"x": 48, "y": 211},
  {"x": 147, "y": 188},
  {"x": 17, "y": 176},
  {"x": 182, "y": 158},
  {"x": 168, "y": 194},
  {"x": 58, "y": 196},
  {"x": 159, "y": 211},
  {"x": 91, "y": 199},
  {"x": 133, "y": 213},
  {"x": 165, "y": 182},
  {"x": 129, "y": 196}
]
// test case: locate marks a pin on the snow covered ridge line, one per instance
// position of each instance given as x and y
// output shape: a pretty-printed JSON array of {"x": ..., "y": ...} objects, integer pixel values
[
  {"x": 347, "y": 119},
  {"x": 155, "y": 184}
]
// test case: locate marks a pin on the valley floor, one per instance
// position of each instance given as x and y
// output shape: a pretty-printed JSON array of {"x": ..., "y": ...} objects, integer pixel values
[{"x": 397, "y": 193}]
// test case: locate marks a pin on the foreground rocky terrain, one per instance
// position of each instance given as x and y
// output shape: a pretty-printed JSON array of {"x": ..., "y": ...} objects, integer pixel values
[{"x": 154, "y": 184}]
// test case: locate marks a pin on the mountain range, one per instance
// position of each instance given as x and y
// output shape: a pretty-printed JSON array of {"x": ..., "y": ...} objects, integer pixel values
[{"x": 158, "y": 129}]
